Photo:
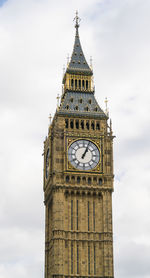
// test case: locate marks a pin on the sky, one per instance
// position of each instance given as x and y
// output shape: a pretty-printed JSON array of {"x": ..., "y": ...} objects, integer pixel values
[{"x": 36, "y": 37}]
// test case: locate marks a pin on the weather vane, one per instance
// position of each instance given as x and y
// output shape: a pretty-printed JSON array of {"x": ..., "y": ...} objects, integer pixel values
[{"x": 77, "y": 19}]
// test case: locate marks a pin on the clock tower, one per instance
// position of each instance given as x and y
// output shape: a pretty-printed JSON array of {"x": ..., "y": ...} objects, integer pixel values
[{"x": 78, "y": 179}]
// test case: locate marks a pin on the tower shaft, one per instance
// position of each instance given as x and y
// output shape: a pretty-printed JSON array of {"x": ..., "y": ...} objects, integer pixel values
[{"x": 78, "y": 180}]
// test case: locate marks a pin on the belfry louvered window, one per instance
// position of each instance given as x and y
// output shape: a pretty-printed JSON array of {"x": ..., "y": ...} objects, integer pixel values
[
  {"x": 79, "y": 84},
  {"x": 82, "y": 84},
  {"x": 86, "y": 85},
  {"x": 76, "y": 84},
  {"x": 72, "y": 83}
]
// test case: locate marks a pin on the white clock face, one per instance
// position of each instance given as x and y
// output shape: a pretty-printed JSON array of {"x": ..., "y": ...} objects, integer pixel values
[{"x": 83, "y": 155}]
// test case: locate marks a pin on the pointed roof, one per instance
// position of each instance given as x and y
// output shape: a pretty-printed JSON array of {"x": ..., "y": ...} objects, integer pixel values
[{"x": 78, "y": 63}]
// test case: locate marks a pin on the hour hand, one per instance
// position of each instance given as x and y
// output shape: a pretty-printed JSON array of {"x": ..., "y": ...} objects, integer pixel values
[{"x": 83, "y": 155}]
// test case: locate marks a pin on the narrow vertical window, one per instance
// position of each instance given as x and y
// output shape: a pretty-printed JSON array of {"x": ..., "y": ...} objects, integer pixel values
[
  {"x": 79, "y": 84},
  {"x": 75, "y": 83},
  {"x": 82, "y": 84},
  {"x": 97, "y": 125},
  {"x": 77, "y": 122},
  {"x": 78, "y": 180},
  {"x": 77, "y": 259},
  {"x": 71, "y": 257},
  {"x": 77, "y": 215},
  {"x": 89, "y": 181},
  {"x": 66, "y": 123},
  {"x": 88, "y": 259},
  {"x": 72, "y": 83},
  {"x": 88, "y": 215},
  {"x": 87, "y": 125},
  {"x": 86, "y": 84},
  {"x": 94, "y": 260},
  {"x": 92, "y": 125},
  {"x": 71, "y": 124},
  {"x": 94, "y": 216},
  {"x": 82, "y": 124},
  {"x": 67, "y": 178},
  {"x": 71, "y": 214}
]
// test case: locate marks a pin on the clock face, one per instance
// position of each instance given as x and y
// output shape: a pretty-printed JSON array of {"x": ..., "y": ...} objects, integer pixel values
[
  {"x": 83, "y": 155},
  {"x": 47, "y": 163}
]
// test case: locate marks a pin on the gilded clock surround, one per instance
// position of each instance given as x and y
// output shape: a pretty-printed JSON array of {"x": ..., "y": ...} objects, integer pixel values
[
  {"x": 98, "y": 143},
  {"x": 78, "y": 204}
]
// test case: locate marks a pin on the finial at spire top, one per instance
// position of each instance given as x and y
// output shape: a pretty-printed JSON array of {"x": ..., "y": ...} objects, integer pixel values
[{"x": 77, "y": 19}]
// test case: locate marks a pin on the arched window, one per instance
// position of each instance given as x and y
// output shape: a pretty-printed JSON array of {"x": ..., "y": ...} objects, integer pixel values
[
  {"x": 82, "y": 124},
  {"x": 67, "y": 178},
  {"x": 100, "y": 181},
  {"x": 76, "y": 84},
  {"x": 79, "y": 84},
  {"x": 86, "y": 84},
  {"x": 80, "y": 100},
  {"x": 78, "y": 180},
  {"x": 87, "y": 125},
  {"x": 77, "y": 124},
  {"x": 82, "y": 84},
  {"x": 72, "y": 83},
  {"x": 71, "y": 124},
  {"x": 67, "y": 107},
  {"x": 89, "y": 101},
  {"x": 92, "y": 125},
  {"x": 97, "y": 126},
  {"x": 66, "y": 123},
  {"x": 89, "y": 181}
]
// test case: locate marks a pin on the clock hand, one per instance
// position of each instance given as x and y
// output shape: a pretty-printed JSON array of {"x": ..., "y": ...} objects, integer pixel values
[
  {"x": 84, "y": 153},
  {"x": 86, "y": 150}
]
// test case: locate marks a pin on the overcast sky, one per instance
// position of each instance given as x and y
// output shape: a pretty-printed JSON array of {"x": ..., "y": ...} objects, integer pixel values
[{"x": 35, "y": 38}]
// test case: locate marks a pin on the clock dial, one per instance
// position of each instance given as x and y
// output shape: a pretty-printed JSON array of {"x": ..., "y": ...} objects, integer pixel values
[
  {"x": 83, "y": 155},
  {"x": 47, "y": 163}
]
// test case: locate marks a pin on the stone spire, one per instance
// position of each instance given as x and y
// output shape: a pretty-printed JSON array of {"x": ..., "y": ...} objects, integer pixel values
[{"x": 78, "y": 63}]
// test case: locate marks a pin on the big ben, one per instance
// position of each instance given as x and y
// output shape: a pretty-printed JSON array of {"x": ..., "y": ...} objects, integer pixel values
[{"x": 78, "y": 179}]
